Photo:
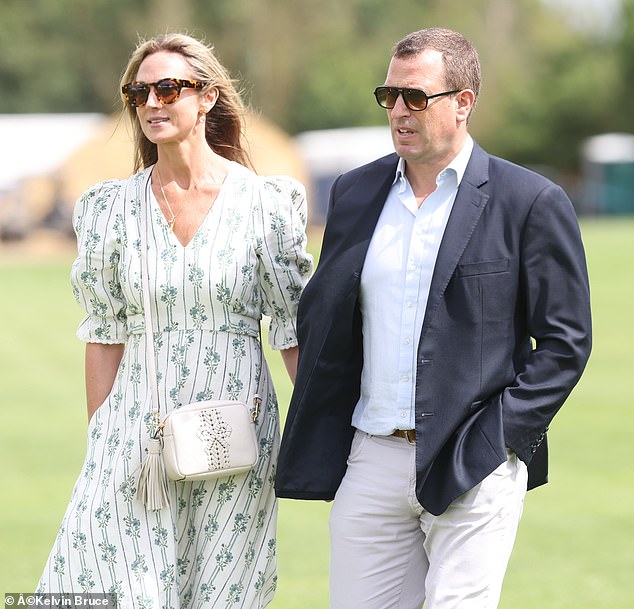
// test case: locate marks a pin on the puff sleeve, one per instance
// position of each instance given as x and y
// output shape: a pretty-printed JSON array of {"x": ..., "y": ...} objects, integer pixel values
[
  {"x": 94, "y": 275},
  {"x": 285, "y": 266}
]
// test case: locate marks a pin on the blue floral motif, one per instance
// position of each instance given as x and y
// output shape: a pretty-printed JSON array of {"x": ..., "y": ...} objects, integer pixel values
[
  {"x": 223, "y": 294},
  {"x": 261, "y": 519},
  {"x": 128, "y": 488},
  {"x": 255, "y": 485},
  {"x": 247, "y": 273},
  {"x": 305, "y": 268},
  {"x": 234, "y": 386},
  {"x": 266, "y": 446},
  {"x": 261, "y": 580},
  {"x": 282, "y": 260},
  {"x": 85, "y": 580},
  {"x": 169, "y": 256},
  {"x": 132, "y": 526},
  {"x": 105, "y": 477},
  {"x": 295, "y": 291},
  {"x": 249, "y": 555},
  {"x": 99, "y": 308},
  {"x": 278, "y": 222},
  {"x": 109, "y": 553},
  {"x": 169, "y": 294},
  {"x": 272, "y": 546},
  {"x": 198, "y": 496},
  {"x": 211, "y": 528},
  {"x": 224, "y": 557},
  {"x": 135, "y": 373},
  {"x": 167, "y": 576},
  {"x": 127, "y": 449},
  {"x": 103, "y": 331},
  {"x": 79, "y": 541},
  {"x": 113, "y": 441},
  {"x": 206, "y": 592},
  {"x": 89, "y": 279},
  {"x": 191, "y": 532},
  {"x": 161, "y": 536},
  {"x": 139, "y": 566},
  {"x": 226, "y": 256},
  {"x": 235, "y": 593},
  {"x": 181, "y": 565},
  {"x": 196, "y": 276},
  {"x": 240, "y": 523},
  {"x": 58, "y": 564},
  {"x": 145, "y": 602},
  {"x": 238, "y": 344},
  {"x": 212, "y": 359},
  {"x": 266, "y": 277},
  {"x": 280, "y": 312},
  {"x": 102, "y": 515},
  {"x": 92, "y": 240},
  {"x": 226, "y": 489},
  {"x": 135, "y": 411},
  {"x": 197, "y": 313}
]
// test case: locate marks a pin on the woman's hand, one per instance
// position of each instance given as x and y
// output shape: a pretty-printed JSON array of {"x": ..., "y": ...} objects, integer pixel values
[{"x": 102, "y": 363}]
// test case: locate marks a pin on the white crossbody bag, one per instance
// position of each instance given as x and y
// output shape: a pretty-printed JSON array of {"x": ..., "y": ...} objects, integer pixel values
[{"x": 206, "y": 439}]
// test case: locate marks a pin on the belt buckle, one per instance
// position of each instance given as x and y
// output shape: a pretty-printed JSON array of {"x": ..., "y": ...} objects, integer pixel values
[{"x": 405, "y": 434}]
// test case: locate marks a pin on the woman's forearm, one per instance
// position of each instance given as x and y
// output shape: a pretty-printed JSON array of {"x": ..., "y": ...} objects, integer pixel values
[
  {"x": 102, "y": 363},
  {"x": 290, "y": 361}
]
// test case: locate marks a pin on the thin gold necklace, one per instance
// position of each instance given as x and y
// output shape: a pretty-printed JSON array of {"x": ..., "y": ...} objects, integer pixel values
[{"x": 172, "y": 220}]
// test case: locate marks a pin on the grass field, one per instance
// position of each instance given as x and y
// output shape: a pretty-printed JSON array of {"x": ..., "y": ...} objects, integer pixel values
[{"x": 575, "y": 549}]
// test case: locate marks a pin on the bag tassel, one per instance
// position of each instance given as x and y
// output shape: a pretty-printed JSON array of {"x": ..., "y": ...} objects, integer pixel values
[{"x": 152, "y": 487}]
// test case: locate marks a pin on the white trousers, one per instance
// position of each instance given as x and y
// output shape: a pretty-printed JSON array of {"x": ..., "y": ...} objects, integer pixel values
[{"x": 387, "y": 552}]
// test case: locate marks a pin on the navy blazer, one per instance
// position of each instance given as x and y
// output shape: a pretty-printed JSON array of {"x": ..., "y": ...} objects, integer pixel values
[{"x": 505, "y": 337}]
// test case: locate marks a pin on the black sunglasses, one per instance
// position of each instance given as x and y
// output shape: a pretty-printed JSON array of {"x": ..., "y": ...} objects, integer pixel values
[
  {"x": 414, "y": 99},
  {"x": 167, "y": 90}
]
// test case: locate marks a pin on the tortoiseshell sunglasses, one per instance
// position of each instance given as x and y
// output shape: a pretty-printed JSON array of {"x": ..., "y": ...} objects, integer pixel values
[{"x": 167, "y": 90}]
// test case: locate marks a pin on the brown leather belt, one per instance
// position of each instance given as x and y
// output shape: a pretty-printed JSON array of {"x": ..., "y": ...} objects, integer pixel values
[{"x": 408, "y": 434}]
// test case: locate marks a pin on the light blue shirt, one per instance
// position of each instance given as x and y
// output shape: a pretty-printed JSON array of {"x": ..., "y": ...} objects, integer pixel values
[{"x": 395, "y": 284}]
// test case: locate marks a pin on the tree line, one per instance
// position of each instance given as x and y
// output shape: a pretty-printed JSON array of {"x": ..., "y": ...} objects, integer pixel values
[{"x": 313, "y": 64}]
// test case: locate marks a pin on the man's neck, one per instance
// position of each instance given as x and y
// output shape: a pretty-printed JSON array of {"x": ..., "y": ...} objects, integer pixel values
[{"x": 422, "y": 176}]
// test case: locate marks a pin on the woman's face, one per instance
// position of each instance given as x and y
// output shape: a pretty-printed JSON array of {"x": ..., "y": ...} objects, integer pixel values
[{"x": 177, "y": 122}]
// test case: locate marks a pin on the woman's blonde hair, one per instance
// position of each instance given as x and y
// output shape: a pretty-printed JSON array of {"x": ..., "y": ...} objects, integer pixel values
[{"x": 224, "y": 122}]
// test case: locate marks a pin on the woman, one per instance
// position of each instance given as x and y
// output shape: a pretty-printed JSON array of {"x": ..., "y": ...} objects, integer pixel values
[{"x": 224, "y": 247}]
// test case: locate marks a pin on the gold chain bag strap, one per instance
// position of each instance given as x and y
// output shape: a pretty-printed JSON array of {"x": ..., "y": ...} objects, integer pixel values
[{"x": 202, "y": 440}]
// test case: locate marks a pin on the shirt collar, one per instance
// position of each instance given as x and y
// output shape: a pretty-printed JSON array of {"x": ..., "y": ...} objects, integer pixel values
[{"x": 458, "y": 165}]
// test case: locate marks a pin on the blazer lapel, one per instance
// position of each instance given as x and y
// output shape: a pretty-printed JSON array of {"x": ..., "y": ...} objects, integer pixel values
[
  {"x": 353, "y": 218},
  {"x": 467, "y": 209}
]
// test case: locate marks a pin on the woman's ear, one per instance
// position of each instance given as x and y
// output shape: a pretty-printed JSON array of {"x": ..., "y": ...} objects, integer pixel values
[{"x": 210, "y": 99}]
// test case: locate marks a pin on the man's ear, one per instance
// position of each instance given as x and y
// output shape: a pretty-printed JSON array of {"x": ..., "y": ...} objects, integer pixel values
[{"x": 465, "y": 100}]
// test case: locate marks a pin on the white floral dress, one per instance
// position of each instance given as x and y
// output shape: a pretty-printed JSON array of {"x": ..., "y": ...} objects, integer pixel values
[{"x": 214, "y": 546}]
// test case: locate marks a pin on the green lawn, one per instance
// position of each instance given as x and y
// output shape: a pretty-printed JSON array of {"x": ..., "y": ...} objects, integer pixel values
[{"x": 575, "y": 549}]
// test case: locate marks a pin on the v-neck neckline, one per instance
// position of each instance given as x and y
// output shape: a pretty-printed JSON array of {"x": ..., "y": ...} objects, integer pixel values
[{"x": 171, "y": 236}]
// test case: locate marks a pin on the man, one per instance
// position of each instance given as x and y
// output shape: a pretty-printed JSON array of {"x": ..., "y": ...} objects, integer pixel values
[{"x": 447, "y": 322}]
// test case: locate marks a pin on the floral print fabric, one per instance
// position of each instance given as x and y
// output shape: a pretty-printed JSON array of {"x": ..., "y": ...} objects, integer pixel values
[{"x": 214, "y": 546}]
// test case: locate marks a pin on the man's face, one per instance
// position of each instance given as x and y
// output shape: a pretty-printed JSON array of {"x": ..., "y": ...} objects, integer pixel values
[{"x": 431, "y": 136}]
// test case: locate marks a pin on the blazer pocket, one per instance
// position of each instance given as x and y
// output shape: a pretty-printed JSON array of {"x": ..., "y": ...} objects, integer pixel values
[{"x": 485, "y": 267}]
